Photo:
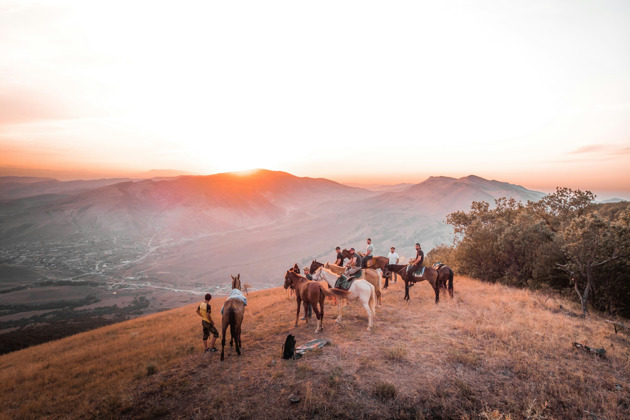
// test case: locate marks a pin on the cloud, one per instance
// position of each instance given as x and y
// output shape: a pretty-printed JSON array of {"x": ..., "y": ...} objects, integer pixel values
[{"x": 591, "y": 148}]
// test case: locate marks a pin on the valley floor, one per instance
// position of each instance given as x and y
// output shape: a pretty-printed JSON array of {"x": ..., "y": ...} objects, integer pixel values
[{"x": 490, "y": 352}]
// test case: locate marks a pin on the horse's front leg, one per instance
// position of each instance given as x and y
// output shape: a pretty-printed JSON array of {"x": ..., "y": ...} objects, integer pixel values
[{"x": 406, "y": 291}]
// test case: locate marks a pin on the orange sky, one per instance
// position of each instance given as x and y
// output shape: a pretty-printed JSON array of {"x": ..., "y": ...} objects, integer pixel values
[{"x": 536, "y": 93}]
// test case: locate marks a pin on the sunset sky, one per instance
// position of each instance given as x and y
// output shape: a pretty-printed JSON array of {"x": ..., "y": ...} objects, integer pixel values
[{"x": 532, "y": 92}]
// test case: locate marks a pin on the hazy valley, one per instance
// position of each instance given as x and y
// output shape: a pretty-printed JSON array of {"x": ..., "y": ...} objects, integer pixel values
[{"x": 75, "y": 255}]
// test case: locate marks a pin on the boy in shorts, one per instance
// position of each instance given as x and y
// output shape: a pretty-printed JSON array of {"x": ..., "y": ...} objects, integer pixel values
[{"x": 208, "y": 326}]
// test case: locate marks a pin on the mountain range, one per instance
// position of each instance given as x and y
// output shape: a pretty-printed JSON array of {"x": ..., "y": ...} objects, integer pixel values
[{"x": 195, "y": 230}]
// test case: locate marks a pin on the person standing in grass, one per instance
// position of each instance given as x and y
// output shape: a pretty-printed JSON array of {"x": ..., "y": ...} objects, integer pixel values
[
  {"x": 393, "y": 259},
  {"x": 204, "y": 311}
]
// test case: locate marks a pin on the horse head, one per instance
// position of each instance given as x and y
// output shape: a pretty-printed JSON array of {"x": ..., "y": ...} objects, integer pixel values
[
  {"x": 296, "y": 268},
  {"x": 288, "y": 280},
  {"x": 346, "y": 253},
  {"x": 315, "y": 265},
  {"x": 236, "y": 281}
]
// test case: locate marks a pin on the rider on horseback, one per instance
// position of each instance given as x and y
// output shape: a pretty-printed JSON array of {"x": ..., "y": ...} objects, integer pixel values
[
  {"x": 354, "y": 264},
  {"x": 418, "y": 261},
  {"x": 369, "y": 253},
  {"x": 339, "y": 260}
]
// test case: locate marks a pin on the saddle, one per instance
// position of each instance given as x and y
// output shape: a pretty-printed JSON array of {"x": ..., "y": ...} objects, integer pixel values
[
  {"x": 344, "y": 282},
  {"x": 438, "y": 265}
]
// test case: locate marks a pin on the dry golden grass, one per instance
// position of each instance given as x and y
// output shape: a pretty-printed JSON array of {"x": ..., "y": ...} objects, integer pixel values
[{"x": 491, "y": 352}]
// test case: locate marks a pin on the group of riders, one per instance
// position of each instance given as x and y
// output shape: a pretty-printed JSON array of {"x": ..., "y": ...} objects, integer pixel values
[{"x": 357, "y": 261}]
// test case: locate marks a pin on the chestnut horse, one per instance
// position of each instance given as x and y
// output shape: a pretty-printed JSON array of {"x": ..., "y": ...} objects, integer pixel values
[
  {"x": 309, "y": 292},
  {"x": 233, "y": 312}
]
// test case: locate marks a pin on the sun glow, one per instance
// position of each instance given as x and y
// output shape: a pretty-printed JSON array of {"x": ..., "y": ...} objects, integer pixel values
[{"x": 262, "y": 85}]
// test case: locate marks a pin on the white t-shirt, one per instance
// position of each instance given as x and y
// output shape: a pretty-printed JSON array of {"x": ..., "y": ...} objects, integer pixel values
[
  {"x": 370, "y": 247},
  {"x": 393, "y": 257}
]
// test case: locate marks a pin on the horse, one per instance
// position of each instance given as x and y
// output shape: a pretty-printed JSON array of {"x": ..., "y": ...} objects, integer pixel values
[
  {"x": 360, "y": 289},
  {"x": 315, "y": 265},
  {"x": 370, "y": 275},
  {"x": 311, "y": 292},
  {"x": 382, "y": 263},
  {"x": 445, "y": 277},
  {"x": 430, "y": 275},
  {"x": 233, "y": 312}
]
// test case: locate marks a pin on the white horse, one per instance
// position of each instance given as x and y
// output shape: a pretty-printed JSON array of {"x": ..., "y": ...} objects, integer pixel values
[{"x": 360, "y": 289}]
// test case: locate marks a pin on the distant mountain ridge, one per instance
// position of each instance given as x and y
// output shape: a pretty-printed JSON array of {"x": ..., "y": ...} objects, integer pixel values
[{"x": 200, "y": 228}]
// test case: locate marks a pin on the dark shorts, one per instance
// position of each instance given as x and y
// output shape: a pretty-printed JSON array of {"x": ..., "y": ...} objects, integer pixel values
[{"x": 209, "y": 329}]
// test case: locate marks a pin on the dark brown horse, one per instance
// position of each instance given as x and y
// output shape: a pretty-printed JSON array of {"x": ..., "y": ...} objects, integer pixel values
[
  {"x": 430, "y": 274},
  {"x": 309, "y": 292},
  {"x": 382, "y": 263},
  {"x": 315, "y": 265},
  {"x": 233, "y": 312},
  {"x": 445, "y": 277}
]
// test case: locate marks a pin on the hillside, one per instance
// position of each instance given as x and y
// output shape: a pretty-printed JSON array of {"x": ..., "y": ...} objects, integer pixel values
[{"x": 491, "y": 352}]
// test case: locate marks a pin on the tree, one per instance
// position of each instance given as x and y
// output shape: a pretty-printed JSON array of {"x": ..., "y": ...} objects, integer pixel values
[{"x": 589, "y": 244}]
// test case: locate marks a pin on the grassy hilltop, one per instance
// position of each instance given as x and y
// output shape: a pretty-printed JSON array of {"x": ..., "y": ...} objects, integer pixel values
[{"x": 491, "y": 352}]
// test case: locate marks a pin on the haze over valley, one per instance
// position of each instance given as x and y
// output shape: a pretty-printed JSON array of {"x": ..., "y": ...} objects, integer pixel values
[{"x": 97, "y": 251}]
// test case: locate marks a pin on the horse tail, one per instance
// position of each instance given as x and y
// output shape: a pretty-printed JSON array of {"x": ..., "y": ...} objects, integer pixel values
[
  {"x": 450, "y": 281},
  {"x": 335, "y": 293}
]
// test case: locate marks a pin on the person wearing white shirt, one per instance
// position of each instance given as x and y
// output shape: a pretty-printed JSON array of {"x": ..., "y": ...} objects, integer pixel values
[
  {"x": 369, "y": 253},
  {"x": 393, "y": 259},
  {"x": 393, "y": 256}
]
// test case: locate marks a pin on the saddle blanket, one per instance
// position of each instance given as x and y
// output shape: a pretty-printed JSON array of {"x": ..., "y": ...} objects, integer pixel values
[
  {"x": 344, "y": 283},
  {"x": 418, "y": 273},
  {"x": 311, "y": 345},
  {"x": 236, "y": 294}
]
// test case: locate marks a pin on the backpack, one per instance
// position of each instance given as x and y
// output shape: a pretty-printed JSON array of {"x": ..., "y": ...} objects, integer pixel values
[{"x": 288, "y": 349}]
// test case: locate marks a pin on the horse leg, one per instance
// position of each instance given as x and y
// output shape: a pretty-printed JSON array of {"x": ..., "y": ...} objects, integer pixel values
[
  {"x": 299, "y": 303},
  {"x": 306, "y": 303},
  {"x": 224, "y": 326},
  {"x": 237, "y": 340},
  {"x": 338, "y": 310},
  {"x": 365, "y": 300},
  {"x": 406, "y": 291},
  {"x": 321, "y": 319},
  {"x": 436, "y": 287}
]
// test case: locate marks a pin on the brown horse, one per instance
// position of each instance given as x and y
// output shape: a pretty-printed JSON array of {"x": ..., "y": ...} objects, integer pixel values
[
  {"x": 309, "y": 292},
  {"x": 445, "y": 278},
  {"x": 233, "y": 312},
  {"x": 382, "y": 263},
  {"x": 430, "y": 274},
  {"x": 315, "y": 265}
]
